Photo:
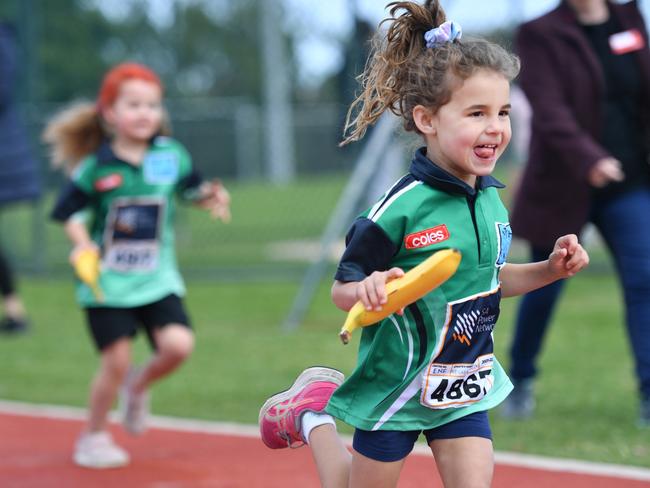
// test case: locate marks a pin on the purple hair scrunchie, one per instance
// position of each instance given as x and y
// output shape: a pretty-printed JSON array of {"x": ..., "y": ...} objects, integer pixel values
[{"x": 445, "y": 32}]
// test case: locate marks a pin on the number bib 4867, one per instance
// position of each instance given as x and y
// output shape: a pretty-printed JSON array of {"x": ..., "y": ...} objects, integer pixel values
[
  {"x": 456, "y": 385},
  {"x": 460, "y": 372}
]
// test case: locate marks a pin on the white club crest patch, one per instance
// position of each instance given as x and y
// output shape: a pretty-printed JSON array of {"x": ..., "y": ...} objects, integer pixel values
[
  {"x": 161, "y": 168},
  {"x": 504, "y": 239}
]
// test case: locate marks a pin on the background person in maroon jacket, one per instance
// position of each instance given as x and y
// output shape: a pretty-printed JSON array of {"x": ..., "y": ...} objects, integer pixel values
[{"x": 586, "y": 74}]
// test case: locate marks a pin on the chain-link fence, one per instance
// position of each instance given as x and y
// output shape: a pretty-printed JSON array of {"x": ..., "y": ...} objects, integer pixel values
[{"x": 275, "y": 230}]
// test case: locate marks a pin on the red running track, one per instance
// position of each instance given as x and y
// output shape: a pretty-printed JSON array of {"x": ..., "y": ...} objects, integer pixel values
[{"x": 35, "y": 453}]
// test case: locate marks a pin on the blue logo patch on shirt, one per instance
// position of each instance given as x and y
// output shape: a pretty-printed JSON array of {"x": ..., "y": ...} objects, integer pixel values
[
  {"x": 504, "y": 238},
  {"x": 160, "y": 168}
]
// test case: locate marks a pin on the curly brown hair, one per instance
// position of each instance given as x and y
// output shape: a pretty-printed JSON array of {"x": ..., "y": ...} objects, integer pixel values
[{"x": 402, "y": 72}]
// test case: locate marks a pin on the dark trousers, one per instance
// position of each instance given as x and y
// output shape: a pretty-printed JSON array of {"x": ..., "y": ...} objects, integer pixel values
[
  {"x": 624, "y": 223},
  {"x": 6, "y": 276}
]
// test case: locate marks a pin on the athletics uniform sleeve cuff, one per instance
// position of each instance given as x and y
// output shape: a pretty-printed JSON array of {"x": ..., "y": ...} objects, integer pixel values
[{"x": 189, "y": 186}]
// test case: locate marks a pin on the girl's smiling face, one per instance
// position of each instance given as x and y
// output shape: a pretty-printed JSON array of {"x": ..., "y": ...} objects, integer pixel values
[
  {"x": 137, "y": 112},
  {"x": 467, "y": 135}
]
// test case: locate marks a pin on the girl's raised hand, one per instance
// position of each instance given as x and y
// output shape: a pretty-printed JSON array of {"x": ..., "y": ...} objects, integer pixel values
[
  {"x": 568, "y": 257},
  {"x": 216, "y": 199},
  {"x": 372, "y": 291}
]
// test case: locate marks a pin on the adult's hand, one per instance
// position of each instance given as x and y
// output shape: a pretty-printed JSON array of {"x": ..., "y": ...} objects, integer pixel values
[{"x": 605, "y": 171}]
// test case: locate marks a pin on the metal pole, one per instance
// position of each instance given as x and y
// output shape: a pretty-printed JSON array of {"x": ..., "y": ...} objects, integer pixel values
[
  {"x": 370, "y": 158},
  {"x": 29, "y": 26},
  {"x": 278, "y": 126},
  {"x": 247, "y": 142}
]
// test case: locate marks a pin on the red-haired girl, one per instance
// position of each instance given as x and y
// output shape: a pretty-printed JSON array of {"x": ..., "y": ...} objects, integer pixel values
[{"x": 125, "y": 173}]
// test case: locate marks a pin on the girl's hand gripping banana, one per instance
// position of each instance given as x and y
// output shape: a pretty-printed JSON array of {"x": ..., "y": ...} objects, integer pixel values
[
  {"x": 416, "y": 283},
  {"x": 86, "y": 264}
]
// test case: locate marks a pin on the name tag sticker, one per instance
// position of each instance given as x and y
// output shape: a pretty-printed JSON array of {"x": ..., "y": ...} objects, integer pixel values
[{"x": 626, "y": 41}]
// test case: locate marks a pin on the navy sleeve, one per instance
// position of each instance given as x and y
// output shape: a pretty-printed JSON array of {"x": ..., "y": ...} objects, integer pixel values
[
  {"x": 368, "y": 248},
  {"x": 71, "y": 200},
  {"x": 189, "y": 185}
]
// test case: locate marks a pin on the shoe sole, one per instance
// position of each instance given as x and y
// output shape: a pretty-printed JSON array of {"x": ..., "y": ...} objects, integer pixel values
[
  {"x": 310, "y": 375},
  {"x": 84, "y": 463}
]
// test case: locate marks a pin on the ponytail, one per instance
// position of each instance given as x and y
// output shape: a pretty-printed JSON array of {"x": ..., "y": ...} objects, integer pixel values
[
  {"x": 73, "y": 134},
  {"x": 383, "y": 78}
]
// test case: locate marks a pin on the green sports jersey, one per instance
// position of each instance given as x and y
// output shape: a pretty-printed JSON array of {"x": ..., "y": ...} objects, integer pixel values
[
  {"x": 435, "y": 363},
  {"x": 130, "y": 212}
]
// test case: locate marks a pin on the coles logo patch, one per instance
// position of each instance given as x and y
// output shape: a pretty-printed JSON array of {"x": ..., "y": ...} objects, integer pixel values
[
  {"x": 427, "y": 237},
  {"x": 109, "y": 182}
]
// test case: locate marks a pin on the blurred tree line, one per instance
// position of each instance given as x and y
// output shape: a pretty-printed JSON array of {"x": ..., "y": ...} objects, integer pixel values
[
  {"x": 209, "y": 48},
  {"x": 209, "y": 55}
]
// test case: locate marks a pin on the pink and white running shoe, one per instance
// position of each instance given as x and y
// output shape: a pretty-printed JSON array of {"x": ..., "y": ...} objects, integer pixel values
[{"x": 280, "y": 415}]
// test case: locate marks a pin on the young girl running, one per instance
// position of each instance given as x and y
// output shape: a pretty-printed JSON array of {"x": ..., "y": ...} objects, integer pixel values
[
  {"x": 431, "y": 369},
  {"x": 119, "y": 205}
]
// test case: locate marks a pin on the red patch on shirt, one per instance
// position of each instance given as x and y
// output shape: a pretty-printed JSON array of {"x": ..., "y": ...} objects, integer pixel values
[
  {"x": 626, "y": 41},
  {"x": 109, "y": 182},
  {"x": 427, "y": 237}
]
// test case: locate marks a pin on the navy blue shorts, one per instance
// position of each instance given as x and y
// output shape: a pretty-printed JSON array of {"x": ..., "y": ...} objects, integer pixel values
[
  {"x": 108, "y": 324},
  {"x": 393, "y": 445}
]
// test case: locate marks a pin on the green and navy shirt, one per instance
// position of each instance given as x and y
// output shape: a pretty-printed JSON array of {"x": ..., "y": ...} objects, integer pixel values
[
  {"x": 435, "y": 363},
  {"x": 129, "y": 210}
]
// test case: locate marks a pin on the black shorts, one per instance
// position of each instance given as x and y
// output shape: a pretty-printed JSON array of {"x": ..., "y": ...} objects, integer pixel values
[
  {"x": 108, "y": 324},
  {"x": 390, "y": 445}
]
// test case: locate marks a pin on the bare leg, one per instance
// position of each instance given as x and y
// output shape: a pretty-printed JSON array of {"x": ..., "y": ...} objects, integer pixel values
[
  {"x": 115, "y": 361},
  {"x": 174, "y": 344},
  {"x": 466, "y": 462},
  {"x": 369, "y": 473},
  {"x": 331, "y": 456}
]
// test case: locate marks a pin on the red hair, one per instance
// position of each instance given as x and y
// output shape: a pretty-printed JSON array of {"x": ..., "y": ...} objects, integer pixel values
[{"x": 118, "y": 75}]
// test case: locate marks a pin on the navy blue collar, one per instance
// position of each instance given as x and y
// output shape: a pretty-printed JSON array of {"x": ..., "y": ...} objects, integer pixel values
[
  {"x": 433, "y": 175},
  {"x": 106, "y": 155}
]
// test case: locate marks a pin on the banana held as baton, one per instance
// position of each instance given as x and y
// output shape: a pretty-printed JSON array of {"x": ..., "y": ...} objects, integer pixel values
[
  {"x": 86, "y": 265},
  {"x": 426, "y": 276}
]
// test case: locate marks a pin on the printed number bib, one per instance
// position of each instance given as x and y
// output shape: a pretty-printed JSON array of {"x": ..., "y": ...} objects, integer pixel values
[
  {"x": 132, "y": 257},
  {"x": 461, "y": 370},
  {"x": 131, "y": 239},
  {"x": 456, "y": 385}
]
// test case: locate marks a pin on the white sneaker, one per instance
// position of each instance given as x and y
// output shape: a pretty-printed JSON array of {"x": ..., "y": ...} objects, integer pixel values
[
  {"x": 97, "y": 450},
  {"x": 134, "y": 407}
]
